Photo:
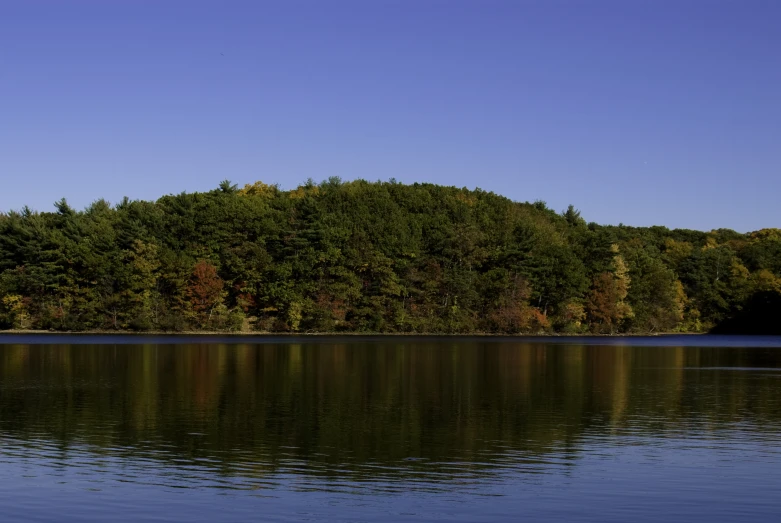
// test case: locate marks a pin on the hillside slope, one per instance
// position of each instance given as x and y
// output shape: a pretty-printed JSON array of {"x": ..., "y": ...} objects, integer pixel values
[{"x": 374, "y": 257}]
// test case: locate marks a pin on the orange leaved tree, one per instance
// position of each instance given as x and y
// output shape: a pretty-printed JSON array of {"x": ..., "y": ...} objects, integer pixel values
[{"x": 205, "y": 290}]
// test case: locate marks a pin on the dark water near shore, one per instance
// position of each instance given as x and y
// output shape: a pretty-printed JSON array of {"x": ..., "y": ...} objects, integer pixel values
[{"x": 385, "y": 429}]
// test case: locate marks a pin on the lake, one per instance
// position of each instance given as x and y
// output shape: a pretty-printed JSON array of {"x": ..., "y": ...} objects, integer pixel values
[{"x": 158, "y": 428}]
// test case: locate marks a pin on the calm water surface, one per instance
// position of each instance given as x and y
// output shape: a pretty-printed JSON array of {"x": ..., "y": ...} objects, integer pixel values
[{"x": 388, "y": 429}]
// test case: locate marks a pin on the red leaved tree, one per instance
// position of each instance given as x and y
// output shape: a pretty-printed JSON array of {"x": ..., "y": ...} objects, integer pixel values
[{"x": 205, "y": 289}]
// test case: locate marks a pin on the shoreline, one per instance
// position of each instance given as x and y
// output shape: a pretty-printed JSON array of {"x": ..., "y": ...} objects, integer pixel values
[{"x": 340, "y": 334}]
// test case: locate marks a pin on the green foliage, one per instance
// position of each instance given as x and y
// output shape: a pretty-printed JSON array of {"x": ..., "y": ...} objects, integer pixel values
[{"x": 369, "y": 257}]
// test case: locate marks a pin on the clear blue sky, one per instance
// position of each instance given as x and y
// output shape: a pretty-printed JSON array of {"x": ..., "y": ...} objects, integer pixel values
[{"x": 643, "y": 112}]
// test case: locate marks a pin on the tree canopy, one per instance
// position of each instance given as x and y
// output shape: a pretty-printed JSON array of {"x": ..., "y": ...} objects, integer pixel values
[{"x": 375, "y": 257}]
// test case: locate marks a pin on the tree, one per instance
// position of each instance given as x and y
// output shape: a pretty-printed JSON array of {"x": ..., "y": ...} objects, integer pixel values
[
  {"x": 227, "y": 186},
  {"x": 205, "y": 291},
  {"x": 18, "y": 307},
  {"x": 605, "y": 305},
  {"x": 573, "y": 218}
]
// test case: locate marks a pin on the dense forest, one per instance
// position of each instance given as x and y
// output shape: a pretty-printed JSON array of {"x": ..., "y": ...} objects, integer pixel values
[{"x": 375, "y": 257}]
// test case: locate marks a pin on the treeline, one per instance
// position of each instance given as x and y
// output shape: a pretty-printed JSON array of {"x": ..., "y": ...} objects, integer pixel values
[{"x": 375, "y": 257}]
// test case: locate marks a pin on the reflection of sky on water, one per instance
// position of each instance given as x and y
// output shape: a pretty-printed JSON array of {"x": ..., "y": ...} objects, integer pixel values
[
  {"x": 728, "y": 477},
  {"x": 466, "y": 431}
]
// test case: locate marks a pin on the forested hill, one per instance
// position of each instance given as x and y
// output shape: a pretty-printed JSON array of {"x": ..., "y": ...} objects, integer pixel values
[{"x": 375, "y": 257}]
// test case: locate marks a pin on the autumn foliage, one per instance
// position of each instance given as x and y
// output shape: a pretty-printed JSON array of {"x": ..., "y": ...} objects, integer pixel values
[
  {"x": 373, "y": 257},
  {"x": 206, "y": 289}
]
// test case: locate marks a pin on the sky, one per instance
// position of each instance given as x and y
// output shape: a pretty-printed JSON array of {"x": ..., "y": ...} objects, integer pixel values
[{"x": 664, "y": 112}]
